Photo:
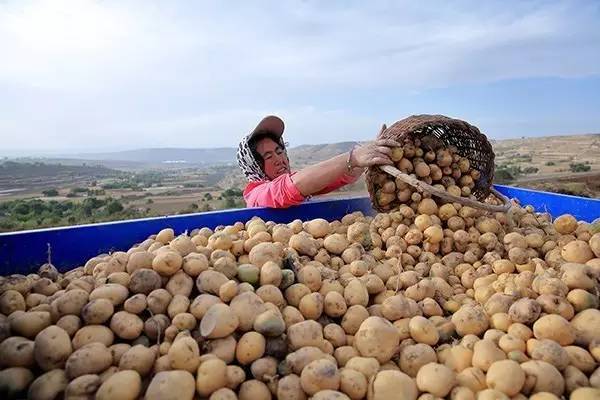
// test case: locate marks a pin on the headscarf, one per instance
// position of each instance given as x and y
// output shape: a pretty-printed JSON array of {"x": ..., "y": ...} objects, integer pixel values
[{"x": 249, "y": 165}]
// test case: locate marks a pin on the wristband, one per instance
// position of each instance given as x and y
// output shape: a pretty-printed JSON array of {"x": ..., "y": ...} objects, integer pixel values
[{"x": 349, "y": 166}]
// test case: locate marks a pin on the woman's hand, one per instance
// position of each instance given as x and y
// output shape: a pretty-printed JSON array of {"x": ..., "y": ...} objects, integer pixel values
[{"x": 373, "y": 153}]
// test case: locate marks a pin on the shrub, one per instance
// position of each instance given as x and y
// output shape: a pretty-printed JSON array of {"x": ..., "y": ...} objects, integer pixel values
[
  {"x": 50, "y": 193},
  {"x": 579, "y": 167}
]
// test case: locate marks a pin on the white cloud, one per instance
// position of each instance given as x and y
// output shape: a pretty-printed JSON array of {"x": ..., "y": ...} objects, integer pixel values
[{"x": 157, "y": 72}]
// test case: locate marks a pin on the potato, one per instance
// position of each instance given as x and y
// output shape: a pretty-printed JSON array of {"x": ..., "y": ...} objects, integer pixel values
[
  {"x": 126, "y": 325},
  {"x": 551, "y": 352},
  {"x": 585, "y": 393},
  {"x": 355, "y": 293},
  {"x": 11, "y": 301},
  {"x": 289, "y": 387},
  {"x": 270, "y": 274},
  {"x": 470, "y": 319},
  {"x": 377, "y": 338},
  {"x": 304, "y": 244},
  {"x": 472, "y": 378},
  {"x": 223, "y": 394},
  {"x": 14, "y": 381},
  {"x": 587, "y": 326},
  {"x": 122, "y": 385},
  {"x": 167, "y": 263},
  {"x": 254, "y": 390},
  {"x": 311, "y": 305},
  {"x": 136, "y": 304},
  {"x": 270, "y": 323},
  {"x": 184, "y": 354},
  {"x": 179, "y": 304},
  {"x": 485, "y": 353},
  {"x": 211, "y": 376},
  {"x": 306, "y": 333},
  {"x": 264, "y": 369},
  {"x": 219, "y": 321},
  {"x": 554, "y": 327},
  {"x": 222, "y": 348},
  {"x": 595, "y": 378},
  {"x": 423, "y": 330},
  {"x": 117, "y": 351},
  {"x": 505, "y": 376},
  {"x": 542, "y": 377},
  {"x": 50, "y": 385},
  {"x": 392, "y": 385},
  {"x": 139, "y": 358},
  {"x": 264, "y": 252},
  {"x": 235, "y": 376},
  {"x": 84, "y": 386},
  {"x": 581, "y": 300},
  {"x": 97, "y": 311},
  {"x": 491, "y": 394},
  {"x": 210, "y": 281},
  {"x": 580, "y": 359},
  {"x": 574, "y": 378},
  {"x": 114, "y": 292},
  {"x": 92, "y": 358},
  {"x": 165, "y": 236},
  {"x": 69, "y": 323},
  {"x": 70, "y": 302},
  {"x": 29, "y": 324},
  {"x": 336, "y": 243},
  {"x": 320, "y": 375},
  {"x": 171, "y": 385},
  {"x": 577, "y": 251},
  {"x": 525, "y": 311},
  {"x": 247, "y": 306},
  {"x": 250, "y": 347},
  {"x": 144, "y": 281},
  {"x": 359, "y": 232},
  {"x": 459, "y": 358},
  {"x": 17, "y": 351},
  {"x": 413, "y": 357},
  {"x": 436, "y": 379},
  {"x": 296, "y": 361},
  {"x": 93, "y": 333}
]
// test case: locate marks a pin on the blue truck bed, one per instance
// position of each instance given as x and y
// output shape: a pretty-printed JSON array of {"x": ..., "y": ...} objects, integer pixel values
[{"x": 23, "y": 252}]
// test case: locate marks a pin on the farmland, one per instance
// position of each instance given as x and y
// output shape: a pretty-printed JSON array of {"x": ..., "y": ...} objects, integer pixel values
[{"x": 153, "y": 183}]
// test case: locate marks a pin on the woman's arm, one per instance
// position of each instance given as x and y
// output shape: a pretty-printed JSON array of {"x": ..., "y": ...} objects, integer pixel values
[{"x": 315, "y": 178}]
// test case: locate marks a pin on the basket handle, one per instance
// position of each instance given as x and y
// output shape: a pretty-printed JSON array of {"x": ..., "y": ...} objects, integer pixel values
[{"x": 425, "y": 187}]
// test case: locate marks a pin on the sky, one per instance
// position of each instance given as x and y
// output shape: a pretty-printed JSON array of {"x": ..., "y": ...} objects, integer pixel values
[{"x": 87, "y": 75}]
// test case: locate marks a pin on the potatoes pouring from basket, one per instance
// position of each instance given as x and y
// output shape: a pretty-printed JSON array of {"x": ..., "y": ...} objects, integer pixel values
[{"x": 440, "y": 156}]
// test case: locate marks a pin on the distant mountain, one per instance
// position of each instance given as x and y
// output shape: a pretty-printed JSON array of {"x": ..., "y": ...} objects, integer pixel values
[
  {"x": 166, "y": 155},
  {"x": 223, "y": 155},
  {"x": 175, "y": 158}
]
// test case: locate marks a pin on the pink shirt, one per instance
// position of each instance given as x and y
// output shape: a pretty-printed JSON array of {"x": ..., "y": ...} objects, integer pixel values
[{"x": 282, "y": 192}]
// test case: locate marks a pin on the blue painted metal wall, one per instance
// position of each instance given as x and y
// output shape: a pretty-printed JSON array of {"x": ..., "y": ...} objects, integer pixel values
[
  {"x": 23, "y": 252},
  {"x": 556, "y": 204}
]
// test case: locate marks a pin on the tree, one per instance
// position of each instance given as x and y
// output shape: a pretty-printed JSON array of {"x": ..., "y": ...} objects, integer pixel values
[
  {"x": 208, "y": 196},
  {"x": 504, "y": 175},
  {"x": 50, "y": 193},
  {"x": 230, "y": 202},
  {"x": 114, "y": 207},
  {"x": 579, "y": 167}
]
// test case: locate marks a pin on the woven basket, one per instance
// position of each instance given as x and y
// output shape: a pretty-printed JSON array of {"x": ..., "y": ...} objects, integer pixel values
[{"x": 469, "y": 141}]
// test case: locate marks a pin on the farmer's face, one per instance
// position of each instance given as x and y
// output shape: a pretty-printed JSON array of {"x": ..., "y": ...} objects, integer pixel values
[{"x": 274, "y": 156}]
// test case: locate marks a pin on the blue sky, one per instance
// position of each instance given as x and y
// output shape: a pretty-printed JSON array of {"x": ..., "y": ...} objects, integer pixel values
[{"x": 105, "y": 75}]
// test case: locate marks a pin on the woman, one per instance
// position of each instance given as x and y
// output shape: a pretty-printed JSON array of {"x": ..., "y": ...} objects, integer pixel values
[{"x": 263, "y": 159}]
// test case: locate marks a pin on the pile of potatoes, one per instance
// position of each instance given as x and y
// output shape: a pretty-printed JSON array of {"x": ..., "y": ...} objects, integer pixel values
[
  {"x": 428, "y": 160},
  {"x": 428, "y": 301}
]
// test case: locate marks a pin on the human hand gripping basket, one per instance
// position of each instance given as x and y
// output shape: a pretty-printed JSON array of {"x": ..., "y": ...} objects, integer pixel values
[{"x": 444, "y": 157}]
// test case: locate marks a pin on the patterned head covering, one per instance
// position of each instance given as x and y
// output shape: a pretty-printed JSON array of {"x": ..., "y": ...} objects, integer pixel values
[{"x": 249, "y": 165}]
